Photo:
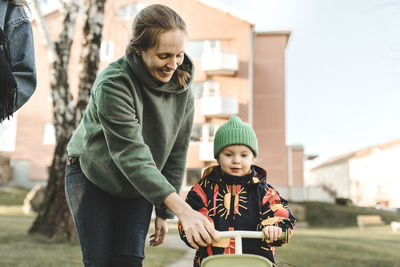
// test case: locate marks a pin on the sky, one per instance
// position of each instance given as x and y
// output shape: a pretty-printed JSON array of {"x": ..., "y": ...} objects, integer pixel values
[{"x": 342, "y": 70}]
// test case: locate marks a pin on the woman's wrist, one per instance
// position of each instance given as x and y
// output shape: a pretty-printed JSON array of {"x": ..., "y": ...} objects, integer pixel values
[{"x": 176, "y": 204}]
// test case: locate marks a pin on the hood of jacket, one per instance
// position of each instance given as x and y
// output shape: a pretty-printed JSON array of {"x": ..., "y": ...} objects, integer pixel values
[
  {"x": 216, "y": 175},
  {"x": 173, "y": 87}
]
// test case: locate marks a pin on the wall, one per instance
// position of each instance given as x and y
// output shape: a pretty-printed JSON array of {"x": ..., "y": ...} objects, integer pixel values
[
  {"x": 335, "y": 177},
  {"x": 269, "y": 117},
  {"x": 375, "y": 177},
  {"x": 304, "y": 193},
  {"x": 367, "y": 177}
]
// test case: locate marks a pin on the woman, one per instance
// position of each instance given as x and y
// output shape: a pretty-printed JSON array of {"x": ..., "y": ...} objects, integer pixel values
[
  {"x": 129, "y": 151},
  {"x": 17, "y": 58}
]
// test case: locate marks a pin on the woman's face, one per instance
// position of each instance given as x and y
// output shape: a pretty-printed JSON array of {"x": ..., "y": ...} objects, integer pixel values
[{"x": 166, "y": 56}]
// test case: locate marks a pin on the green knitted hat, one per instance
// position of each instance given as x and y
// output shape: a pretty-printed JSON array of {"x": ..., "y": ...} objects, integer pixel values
[{"x": 235, "y": 132}]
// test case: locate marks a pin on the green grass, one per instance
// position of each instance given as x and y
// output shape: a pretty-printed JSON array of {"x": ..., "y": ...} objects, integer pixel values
[
  {"x": 350, "y": 246},
  {"x": 17, "y": 248},
  {"x": 12, "y": 196},
  {"x": 331, "y": 240},
  {"x": 315, "y": 247}
]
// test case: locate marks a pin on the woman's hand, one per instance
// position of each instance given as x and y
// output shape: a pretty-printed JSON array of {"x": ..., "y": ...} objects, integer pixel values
[
  {"x": 161, "y": 230},
  {"x": 272, "y": 232},
  {"x": 198, "y": 229}
]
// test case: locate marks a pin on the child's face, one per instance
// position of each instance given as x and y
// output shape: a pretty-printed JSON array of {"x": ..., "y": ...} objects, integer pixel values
[{"x": 236, "y": 160}]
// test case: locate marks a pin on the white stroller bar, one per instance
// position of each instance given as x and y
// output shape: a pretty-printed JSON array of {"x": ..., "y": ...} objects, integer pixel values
[{"x": 238, "y": 235}]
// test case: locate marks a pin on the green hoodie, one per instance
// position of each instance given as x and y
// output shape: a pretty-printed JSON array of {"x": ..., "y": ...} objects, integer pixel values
[{"x": 133, "y": 138}]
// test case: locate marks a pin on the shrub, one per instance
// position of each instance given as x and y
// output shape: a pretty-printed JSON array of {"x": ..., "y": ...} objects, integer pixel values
[{"x": 319, "y": 214}]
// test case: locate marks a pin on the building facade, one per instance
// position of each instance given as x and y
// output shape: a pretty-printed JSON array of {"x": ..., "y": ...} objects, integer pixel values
[
  {"x": 368, "y": 177},
  {"x": 238, "y": 71}
]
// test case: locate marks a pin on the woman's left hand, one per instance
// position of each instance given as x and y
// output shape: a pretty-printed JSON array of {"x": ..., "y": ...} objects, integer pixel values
[{"x": 161, "y": 230}]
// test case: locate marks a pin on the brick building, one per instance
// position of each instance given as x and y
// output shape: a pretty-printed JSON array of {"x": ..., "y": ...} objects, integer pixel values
[{"x": 238, "y": 71}]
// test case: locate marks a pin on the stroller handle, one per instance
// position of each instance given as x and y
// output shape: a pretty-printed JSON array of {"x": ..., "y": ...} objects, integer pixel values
[{"x": 238, "y": 235}]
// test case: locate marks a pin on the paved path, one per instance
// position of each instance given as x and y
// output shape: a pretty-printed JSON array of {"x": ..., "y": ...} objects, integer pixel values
[{"x": 174, "y": 240}]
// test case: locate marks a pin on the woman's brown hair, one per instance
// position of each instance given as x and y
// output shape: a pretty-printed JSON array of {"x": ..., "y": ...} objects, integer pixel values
[{"x": 149, "y": 24}]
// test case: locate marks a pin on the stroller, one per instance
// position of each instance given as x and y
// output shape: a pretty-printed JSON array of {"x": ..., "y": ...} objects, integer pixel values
[{"x": 238, "y": 259}]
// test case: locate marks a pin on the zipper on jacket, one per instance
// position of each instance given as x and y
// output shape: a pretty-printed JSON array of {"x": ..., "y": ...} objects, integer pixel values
[{"x": 233, "y": 195}]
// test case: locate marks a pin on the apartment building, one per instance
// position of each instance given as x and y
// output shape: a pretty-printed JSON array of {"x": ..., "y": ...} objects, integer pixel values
[{"x": 238, "y": 71}]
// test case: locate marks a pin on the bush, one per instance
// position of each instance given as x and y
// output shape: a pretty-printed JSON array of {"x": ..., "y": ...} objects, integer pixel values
[
  {"x": 320, "y": 214},
  {"x": 343, "y": 201}
]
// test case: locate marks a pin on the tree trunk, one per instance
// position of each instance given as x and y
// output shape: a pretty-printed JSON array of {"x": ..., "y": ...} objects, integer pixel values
[
  {"x": 55, "y": 219},
  {"x": 90, "y": 55}
]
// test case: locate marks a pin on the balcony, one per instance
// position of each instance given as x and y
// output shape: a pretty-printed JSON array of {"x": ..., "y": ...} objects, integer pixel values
[
  {"x": 218, "y": 107},
  {"x": 219, "y": 63},
  {"x": 206, "y": 151}
]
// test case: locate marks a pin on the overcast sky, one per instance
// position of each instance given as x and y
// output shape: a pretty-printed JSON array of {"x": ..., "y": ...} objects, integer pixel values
[{"x": 342, "y": 70}]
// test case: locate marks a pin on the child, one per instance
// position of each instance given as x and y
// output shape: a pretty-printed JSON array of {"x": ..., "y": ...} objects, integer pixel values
[{"x": 234, "y": 195}]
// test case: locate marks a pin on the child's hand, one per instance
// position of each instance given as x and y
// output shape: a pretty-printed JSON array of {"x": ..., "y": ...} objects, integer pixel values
[
  {"x": 161, "y": 230},
  {"x": 272, "y": 232}
]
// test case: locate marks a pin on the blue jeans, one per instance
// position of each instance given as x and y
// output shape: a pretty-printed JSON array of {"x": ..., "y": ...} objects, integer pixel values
[{"x": 112, "y": 231}]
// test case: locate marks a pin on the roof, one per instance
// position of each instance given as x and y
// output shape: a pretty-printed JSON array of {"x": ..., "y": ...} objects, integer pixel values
[
  {"x": 220, "y": 6},
  {"x": 358, "y": 153},
  {"x": 228, "y": 9},
  {"x": 274, "y": 32}
]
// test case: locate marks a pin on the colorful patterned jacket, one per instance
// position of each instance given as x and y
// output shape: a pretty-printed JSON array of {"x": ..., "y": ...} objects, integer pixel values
[{"x": 238, "y": 203}]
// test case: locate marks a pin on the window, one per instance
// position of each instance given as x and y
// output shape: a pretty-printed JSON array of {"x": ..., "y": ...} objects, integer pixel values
[
  {"x": 212, "y": 45},
  {"x": 49, "y": 136},
  {"x": 211, "y": 131},
  {"x": 197, "y": 89},
  {"x": 129, "y": 12},
  {"x": 196, "y": 48},
  {"x": 196, "y": 132},
  {"x": 49, "y": 98},
  {"x": 203, "y": 132},
  {"x": 8, "y": 134},
  {"x": 106, "y": 51},
  {"x": 210, "y": 88},
  {"x": 205, "y": 89},
  {"x": 47, "y": 6}
]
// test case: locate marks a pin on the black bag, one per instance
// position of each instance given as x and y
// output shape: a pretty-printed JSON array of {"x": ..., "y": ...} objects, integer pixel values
[{"x": 8, "y": 85}]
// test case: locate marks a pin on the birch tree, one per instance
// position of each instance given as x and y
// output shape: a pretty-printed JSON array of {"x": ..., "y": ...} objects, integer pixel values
[{"x": 54, "y": 219}]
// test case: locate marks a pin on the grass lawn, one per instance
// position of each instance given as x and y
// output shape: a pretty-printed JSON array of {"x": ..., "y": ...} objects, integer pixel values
[
  {"x": 12, "y": 196},
  {"x": 350, "y": 246},
  {"x": 313, "y": 247},
  {"x": 17, "y": 248},
  {"x": 371, "y": 247}
]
